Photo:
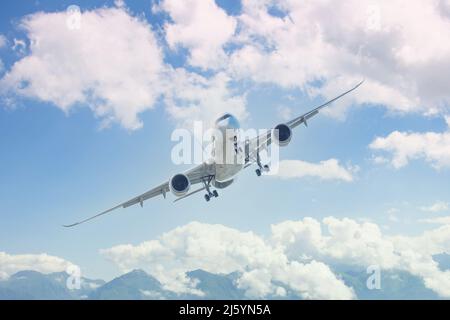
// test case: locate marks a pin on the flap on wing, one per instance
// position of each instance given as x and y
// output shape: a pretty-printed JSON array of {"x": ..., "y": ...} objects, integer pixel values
[{"x": 162, "y": 189}]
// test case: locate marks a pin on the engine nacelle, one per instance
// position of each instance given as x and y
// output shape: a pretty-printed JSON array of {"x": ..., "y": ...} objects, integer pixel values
[
  {"x": 179, "y": 184},
  {"x": 282, "y": 135}
]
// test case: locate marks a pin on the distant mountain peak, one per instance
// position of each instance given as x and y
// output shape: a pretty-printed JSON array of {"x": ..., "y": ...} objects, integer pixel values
[
  {"x": 138, "y": 272},
  {"x": 26, "y": 274},
  {"x": 139, "y": 285}
]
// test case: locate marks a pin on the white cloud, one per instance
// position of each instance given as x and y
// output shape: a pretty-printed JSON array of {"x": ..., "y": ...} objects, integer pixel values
[
  {"x": 192, "y": 96},
  {"x": 256, "y": 283},
  {"x": 326, "y": 170},
  {"x": 219, "y": 249},
  {"x": 112, "y": 63},
  {"x": 296, "y": 254},
  {"x": 10, "y": 264},
  {"x": 433, "y": 147},
  {"x": 363, "y": 244},
  {"x": 436, "y": 207},
  {"x": 315, "y": 280},
  {"x": 437, "y": 220},
  {"x": 285, "y": 113},
  {"x": 200, "y": 26},
  {"x": 340, "y": 43}
]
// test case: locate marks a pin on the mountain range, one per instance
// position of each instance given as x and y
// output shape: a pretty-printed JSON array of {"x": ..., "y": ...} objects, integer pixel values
[{"x": 138, "y": 285}]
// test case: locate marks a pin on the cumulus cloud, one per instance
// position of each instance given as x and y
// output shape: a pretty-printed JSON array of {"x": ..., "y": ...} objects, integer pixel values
[
  {"x": 296, "y": 254},
  {"x": 433, "y": 147},
  {"x": 363, "y": 244},
  {"x": 325, "y": 170},
  {"x": 200, "y": 26},
  {"x": 112, "y": 63},
  {"x": 219, "y": 249},
  {"x": 195, "y": 97},
  {"x": 10, "y": 264},
  {"x": 339, "y": 43},
  {"x": 436, "y": 207}
]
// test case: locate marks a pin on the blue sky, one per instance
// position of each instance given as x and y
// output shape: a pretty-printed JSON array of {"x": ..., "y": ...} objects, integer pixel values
[{"x": 59, "y": 166}]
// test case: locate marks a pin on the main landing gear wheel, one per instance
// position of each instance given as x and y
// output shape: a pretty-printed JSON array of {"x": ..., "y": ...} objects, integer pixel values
[
  {"x": 258, "y": 172},
  {"x": 210, "y": 193},
  {"x": 214, "y": 194}
]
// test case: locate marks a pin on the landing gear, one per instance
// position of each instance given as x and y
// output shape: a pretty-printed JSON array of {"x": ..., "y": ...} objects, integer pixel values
[
  {"x": 210, "y": 193},
  {"x": 261, "y": 168}
]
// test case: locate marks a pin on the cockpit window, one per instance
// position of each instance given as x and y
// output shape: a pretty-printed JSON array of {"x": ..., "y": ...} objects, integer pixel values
[
  {"x": 225, "y": 116},
  {"x": 228, "y": 120}
]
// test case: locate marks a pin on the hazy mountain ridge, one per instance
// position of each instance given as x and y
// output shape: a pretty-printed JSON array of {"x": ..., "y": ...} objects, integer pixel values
[
  {"x": 138, "y": 285},
  {"x": 394, "y": 285},
  {"x": 135, "y": 285}
]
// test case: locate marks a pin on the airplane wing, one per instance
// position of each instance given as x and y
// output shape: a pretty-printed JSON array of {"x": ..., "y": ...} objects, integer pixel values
[
  {"x": 263, "y": 141},
  {"x": 195, "y": 175}
]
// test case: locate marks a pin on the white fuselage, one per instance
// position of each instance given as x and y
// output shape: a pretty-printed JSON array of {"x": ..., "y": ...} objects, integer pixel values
[{"x": 228, "y": 154}]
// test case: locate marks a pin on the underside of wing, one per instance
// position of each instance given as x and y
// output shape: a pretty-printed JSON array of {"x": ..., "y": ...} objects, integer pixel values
[
  {"x": 196, "y": 175},
  {"x": 201, "y": 172},
  {"x": 305, "y": 117},
  {"x": 161, "y": 189},
  {"x": 263, "y": 141}
]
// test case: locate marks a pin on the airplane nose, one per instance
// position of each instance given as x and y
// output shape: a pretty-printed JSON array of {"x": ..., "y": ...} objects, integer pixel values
[{"x": 228, "y": 121}]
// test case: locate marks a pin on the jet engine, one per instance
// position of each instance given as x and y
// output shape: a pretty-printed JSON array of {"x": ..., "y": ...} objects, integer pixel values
[
  {"x": 282, "y": 135},
  {"x": 179, "y": 184}
]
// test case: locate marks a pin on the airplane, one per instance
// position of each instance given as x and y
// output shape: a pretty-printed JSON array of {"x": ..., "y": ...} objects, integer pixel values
[{"x": 214, "y": 172}]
